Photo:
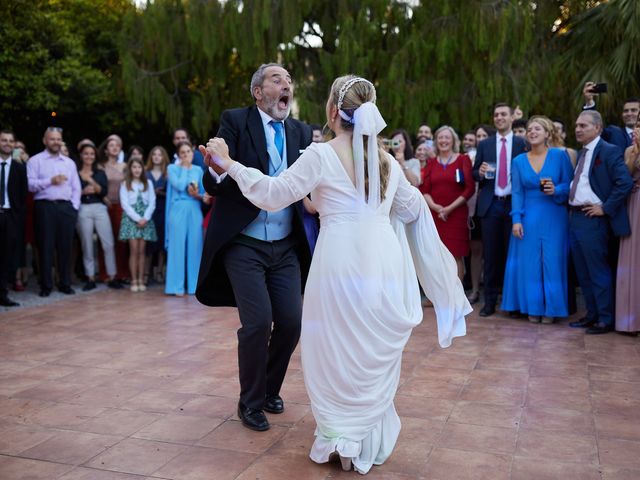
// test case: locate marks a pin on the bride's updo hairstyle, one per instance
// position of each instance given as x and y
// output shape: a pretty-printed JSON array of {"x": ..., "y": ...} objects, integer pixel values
[{"x": 353, "y": 96}]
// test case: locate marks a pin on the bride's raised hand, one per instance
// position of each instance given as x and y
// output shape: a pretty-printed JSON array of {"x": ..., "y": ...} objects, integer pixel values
[
  {"x": 218, "y": 154},
  {"x": 208, "y": 160}
]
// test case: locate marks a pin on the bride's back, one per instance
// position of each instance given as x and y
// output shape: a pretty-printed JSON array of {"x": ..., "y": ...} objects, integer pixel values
[{"x": 336, "y": 192}]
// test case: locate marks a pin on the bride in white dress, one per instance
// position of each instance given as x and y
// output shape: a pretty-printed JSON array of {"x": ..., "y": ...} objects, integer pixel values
[{"x": 362, "y": 298}]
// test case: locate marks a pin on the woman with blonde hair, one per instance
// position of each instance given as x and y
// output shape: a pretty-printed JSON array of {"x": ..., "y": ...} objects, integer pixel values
[
  {"x": 535, "y": 279},
  {"x": 449, "y": 184},
  {"x": 362, "y": 299}
]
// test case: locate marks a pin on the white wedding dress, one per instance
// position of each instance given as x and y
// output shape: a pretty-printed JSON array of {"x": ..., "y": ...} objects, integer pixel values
[{"x": 362, "y": 298}]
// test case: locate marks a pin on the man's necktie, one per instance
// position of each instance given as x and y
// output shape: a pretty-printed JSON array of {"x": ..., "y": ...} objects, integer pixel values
[
  {"x": 576, "y": 178},
  {"x": 502, "y": 169},
  {"x": 2, "y": 180},
  {"x": 279, "y": 137}
]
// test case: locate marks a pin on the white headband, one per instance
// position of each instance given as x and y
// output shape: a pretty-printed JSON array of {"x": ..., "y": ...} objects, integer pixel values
[{"x": 347, "y": 85}]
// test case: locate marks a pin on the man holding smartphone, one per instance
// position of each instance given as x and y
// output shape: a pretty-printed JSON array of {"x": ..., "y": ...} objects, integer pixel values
[{"x": 619, "y": 136}]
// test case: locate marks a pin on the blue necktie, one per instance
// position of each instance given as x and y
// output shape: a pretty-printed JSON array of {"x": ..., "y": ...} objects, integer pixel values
[{"x": 279, "y": 137}]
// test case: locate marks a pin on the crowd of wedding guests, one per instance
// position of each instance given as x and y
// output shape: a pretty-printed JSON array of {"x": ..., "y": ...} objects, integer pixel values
[
  {"x": 148, "y": 215},
  {"x": 519, "y": 210}
]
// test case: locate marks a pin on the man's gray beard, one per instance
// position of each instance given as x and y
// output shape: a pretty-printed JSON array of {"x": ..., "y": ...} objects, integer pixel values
[{"x": 276, "y": 113}]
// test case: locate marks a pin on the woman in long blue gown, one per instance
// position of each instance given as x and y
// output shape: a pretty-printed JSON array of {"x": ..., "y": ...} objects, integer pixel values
[
  {"x": 183, "y": 234},
  {"x": 535, "y": 281}
]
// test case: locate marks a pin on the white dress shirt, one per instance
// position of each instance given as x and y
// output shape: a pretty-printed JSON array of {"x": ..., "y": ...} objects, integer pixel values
[
  {"x": 501, "y": 192},
  {"x": 584, "y": 193},
  {"x": 4, "y": 202}
]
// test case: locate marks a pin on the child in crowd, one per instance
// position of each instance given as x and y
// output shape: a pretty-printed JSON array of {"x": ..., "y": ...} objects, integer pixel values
[
  {"x": 156, "y": 167},
  {"x": 138, "y": 201}
]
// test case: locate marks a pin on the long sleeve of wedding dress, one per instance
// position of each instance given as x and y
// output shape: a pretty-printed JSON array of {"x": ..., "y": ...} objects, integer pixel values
[
  {"x": 276, "y": 193},
  {"x": 433, "y": 263}
]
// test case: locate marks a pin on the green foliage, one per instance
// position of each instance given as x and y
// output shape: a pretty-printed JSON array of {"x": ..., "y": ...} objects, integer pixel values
[
  {"x": 602, "y": 45},
  {"x": 112, "y": 66},
  {"x": 59, "y": 56}
]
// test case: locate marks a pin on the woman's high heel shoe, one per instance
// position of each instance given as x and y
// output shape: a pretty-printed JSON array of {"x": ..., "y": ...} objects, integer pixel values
[{"x": 347, "y": 466}]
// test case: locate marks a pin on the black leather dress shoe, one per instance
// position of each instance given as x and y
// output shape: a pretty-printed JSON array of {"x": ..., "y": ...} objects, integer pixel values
[
  {"x": 115, "y": 284},
  {"x": 487, "y": 311},
  {"x": 253, "y": 418},
  {"x": 516, "y": 314},
  {"x": 67, "y": 290},
  {"x": 598, "y": 329},
  {"x": 44, "y": 292},
  {"x": 274, "y": 404},
  {"x": 90, "y": 285},
  {"x": 582, "y": 323},
  {"x": 7, "y": 302}
]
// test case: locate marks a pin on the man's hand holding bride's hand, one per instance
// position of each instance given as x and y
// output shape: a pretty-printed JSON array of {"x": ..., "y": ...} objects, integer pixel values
[{"x": 216, "y": 155}]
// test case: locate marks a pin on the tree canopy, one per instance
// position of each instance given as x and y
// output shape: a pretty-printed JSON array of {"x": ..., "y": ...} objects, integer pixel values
[{"x": 110, "y": 66}]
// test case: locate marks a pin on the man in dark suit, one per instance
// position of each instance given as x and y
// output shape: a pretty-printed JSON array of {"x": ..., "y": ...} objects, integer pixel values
[
  {"x": 597, "y": 199},
  {"x": 492, "y": 168},
  {"x": 253, "y": 259},
  {"x": 13, "y": 198},
  {"x": 619, "y": 136}
]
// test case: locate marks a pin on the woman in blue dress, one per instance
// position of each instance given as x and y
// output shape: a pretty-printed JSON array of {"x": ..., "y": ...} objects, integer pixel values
[
  {"x": 535, "y": 281},
  {"x": 183, "y": 227}
]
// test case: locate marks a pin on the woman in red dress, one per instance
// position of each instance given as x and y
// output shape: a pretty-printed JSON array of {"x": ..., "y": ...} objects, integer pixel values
[{"x": 448, "y": 184}]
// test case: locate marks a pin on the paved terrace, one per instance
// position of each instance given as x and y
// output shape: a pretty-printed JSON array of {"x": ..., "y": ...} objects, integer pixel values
[{"x": 122, "y": 386}]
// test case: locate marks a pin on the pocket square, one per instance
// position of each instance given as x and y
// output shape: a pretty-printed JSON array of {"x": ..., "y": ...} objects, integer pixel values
[
  {"x": 598, "y": 162},
  {"x": 301, "y": 151}
]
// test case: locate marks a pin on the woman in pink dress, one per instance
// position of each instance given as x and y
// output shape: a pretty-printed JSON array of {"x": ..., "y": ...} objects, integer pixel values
[{"x": 628, "y": 278}]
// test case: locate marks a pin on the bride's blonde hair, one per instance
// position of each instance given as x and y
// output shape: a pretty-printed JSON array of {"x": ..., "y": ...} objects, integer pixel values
[{"x": 357, "y": 94}]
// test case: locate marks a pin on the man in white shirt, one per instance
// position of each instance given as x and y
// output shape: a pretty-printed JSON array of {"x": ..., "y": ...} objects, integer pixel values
[
  {"x": 597, "y": 198},
  {"x": 254, "y": 259},
  {"x": 492, "y": 169}
]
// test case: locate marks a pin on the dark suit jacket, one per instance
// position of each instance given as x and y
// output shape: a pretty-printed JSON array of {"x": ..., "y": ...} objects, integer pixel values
[
  {"x": 486, "y": 152},
  {"x": 614, "y": 134},
  {"x": 243, "y": 131},
  {"x": 17, "y": 189},
  {"x": 611, "y": 182}
]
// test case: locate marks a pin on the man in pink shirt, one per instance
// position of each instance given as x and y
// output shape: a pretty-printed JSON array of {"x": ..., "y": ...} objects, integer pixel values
[{"x": 54, "y": 180}]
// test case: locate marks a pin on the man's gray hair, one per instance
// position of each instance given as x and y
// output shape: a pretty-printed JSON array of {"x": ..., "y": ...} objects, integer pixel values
[
  {"x": 596, "y": 118},
  {"x": 258, "y": 77}
]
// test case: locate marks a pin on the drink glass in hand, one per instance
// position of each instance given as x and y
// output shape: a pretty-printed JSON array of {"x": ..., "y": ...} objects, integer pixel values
[
  {"x": 490, "y": 173},
  {"x": 543, "y": 182}
]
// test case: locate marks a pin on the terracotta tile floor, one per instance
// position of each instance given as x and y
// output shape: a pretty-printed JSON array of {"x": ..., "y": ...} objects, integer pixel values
[{"x": 116, "y": 386}]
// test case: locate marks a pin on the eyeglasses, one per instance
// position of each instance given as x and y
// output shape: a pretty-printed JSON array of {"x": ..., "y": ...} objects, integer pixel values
[{"x": 54, "y": 129}]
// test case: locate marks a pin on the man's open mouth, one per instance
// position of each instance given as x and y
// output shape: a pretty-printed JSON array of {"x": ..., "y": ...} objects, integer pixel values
[{"x": 283, "y": 102}]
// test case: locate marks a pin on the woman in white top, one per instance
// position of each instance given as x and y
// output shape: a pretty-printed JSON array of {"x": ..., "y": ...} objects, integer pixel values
[
  {"x": 138, "y": 201},
  {"x": 362, "y": 298}
]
